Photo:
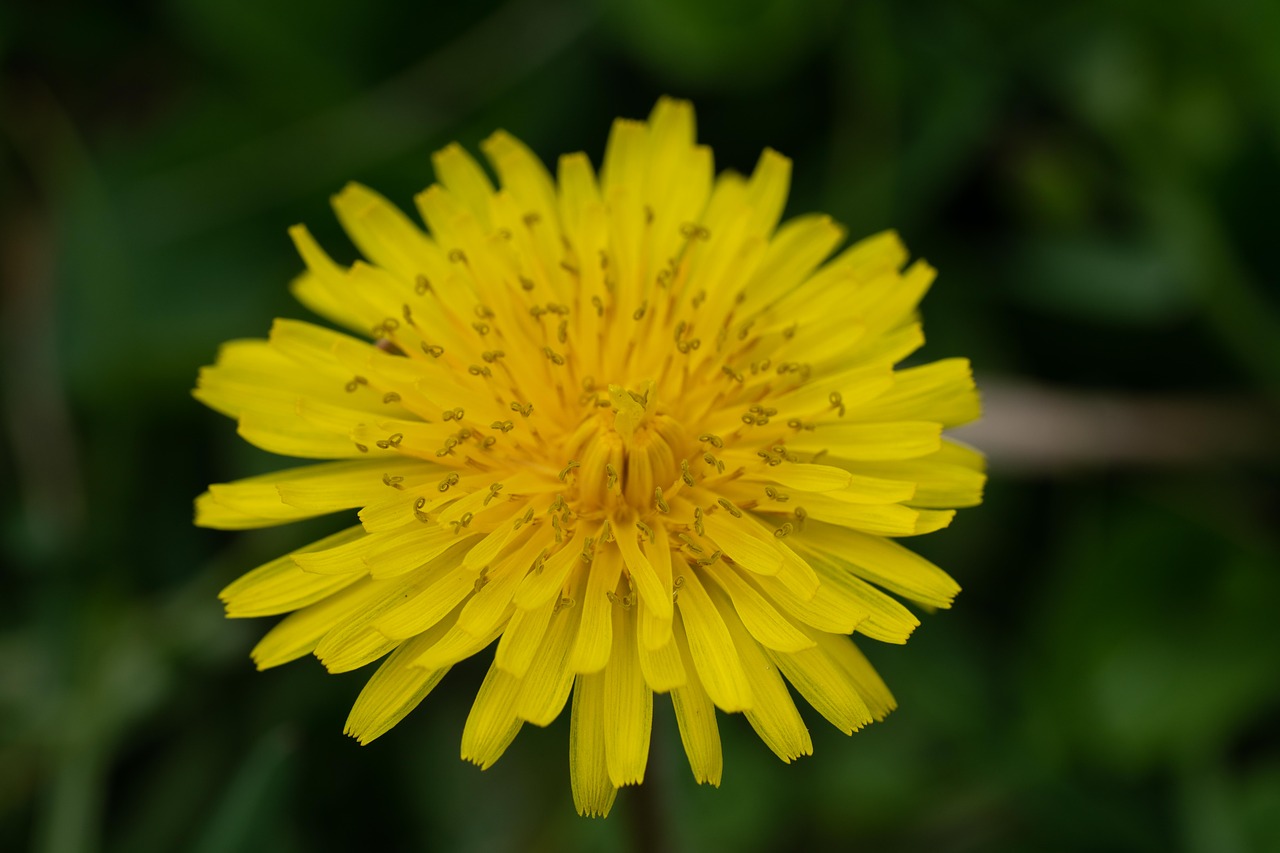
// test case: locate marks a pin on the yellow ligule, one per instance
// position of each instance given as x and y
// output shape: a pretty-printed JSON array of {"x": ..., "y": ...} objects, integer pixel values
[
  {"x": 593, "y": 793},
  {"x": 773, "y": 715},
  {"x": 764, "y": 622},
  {"x": 655, "y": 625},
  {"x": 440, "y": 589},
  {"x": 696, "y": 719},
  {"x": 628, "y": 705},
  {"x": 394, "y": 690},
  {"x": 872, "y": 442},
  {"x": 740, "y": 541},
  {"x": 495, "y": 587},
  {"x": 941, "y": 391},
  {"x": 711, "y": 647},
  {"x": 549, "y": 678},
  {"x": 662, "y": 668},
  {"x": 952, "y": 476},
  {"x": 492, "y": 723},
  {"x": 280, "y": 585},
  {"x": 649, "y": 586},
  {"x": 824, "y": 685},
  {"x": 595, "y": 634},
  {"x": 299, "y": 632},
  {"x": 884, "y": 563},
  {"x": 522, "y": 637},
  {"x": 861, "y": 673},
  {"x": 462, "y": 175}
]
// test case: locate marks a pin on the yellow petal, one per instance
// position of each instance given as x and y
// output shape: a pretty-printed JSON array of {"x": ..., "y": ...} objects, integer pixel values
[
  {"x": 595, "y": 633},
  {"x": 711, "y": 647},
  {"x": 438, "y": 587},
  {"x": 808, "y": 478},
  {"x": 828, "y": 608},
  {"x": 795, "y": 250},
  {"x": 897, "y": 298},
  {"x": 523, "y": 636},
  {"x": 280, "y": 585},
  {"x": 492, "y": 723},
  {"x": 210, "y": 513},
  {"x": 462, "y": 175},
  {"x": 341, "y": 557},
  {"x": 625, "y": 156},
  {"x": 662, "y": 667},
  {"x": 455, "y": 645},
  {"x": 549, "y": 679},
  {"x": 950, "y": 477},
  {"x": 672, "y": 135},
  {"x": 767, "y": 190},
  {"x": 538, "y": 588},
  {"x": 494, "y": 591},
  {"x": 646, "y": 579},
  {"x": 884, "y": 618},
  {"x": 825, "y": 685},
  {"x": 290, "y": 435},
  {"x": 655, "y": 626},
  {"x": 415, "y": 546},
  {"x": 883, "y": 519},
  {"x": 394, "y": 690},
  {"x": 360, "y": 639},
  {"x": 739, "y": 540},
  {"x": 579, "y": 195},
  {"x": 315, "y": 490},
  {"x": 523, "y": 175},
  {"x": 299, "y": 632},
  {"x": 862, "y": 675},
  {"x": 351, "y": 642},
  {"x": 593, "y": 793},
  {"x": 487, "y": 549},
  {"x": 884, "y": 563},
  {"x": 762, "y": 620},
  {"x": 696, "y": 719},
  {"x": 871, "y": 441},
  {"x": 381, "y": 231},
  {"x": 628, "y": 705},
  {"x": 772, "y": 714},
  {"x": 324, "y": 288},
  {"x": 942, "y": 391}
]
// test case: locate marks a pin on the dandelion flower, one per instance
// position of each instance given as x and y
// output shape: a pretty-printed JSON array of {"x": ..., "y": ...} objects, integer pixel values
[{"x": 627, "y": 426}]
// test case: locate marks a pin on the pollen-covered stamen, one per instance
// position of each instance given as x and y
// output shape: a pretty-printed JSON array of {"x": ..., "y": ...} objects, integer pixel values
[
  {"x": 837, "y": 402},
  {"x": 729, "y": 507},
  {"x": 689, "y": 543}
]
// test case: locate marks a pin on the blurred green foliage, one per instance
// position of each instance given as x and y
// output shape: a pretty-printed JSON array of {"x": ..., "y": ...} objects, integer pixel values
[{"x": 1094, "y": 181}]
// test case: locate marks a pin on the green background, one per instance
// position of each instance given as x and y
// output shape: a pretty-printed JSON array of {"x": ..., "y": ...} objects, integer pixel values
[{"x": 1096, "y": 182}]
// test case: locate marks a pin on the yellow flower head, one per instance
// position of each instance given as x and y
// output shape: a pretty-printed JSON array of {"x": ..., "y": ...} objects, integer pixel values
[{"x": 626, "y": 426}]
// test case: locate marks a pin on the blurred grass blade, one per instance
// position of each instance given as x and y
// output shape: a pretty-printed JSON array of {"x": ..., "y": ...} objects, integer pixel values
[{"x": 253, "y": 799}]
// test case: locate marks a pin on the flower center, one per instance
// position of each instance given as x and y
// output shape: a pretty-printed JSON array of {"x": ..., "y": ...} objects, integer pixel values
[{"x": 627, "y": 452}]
